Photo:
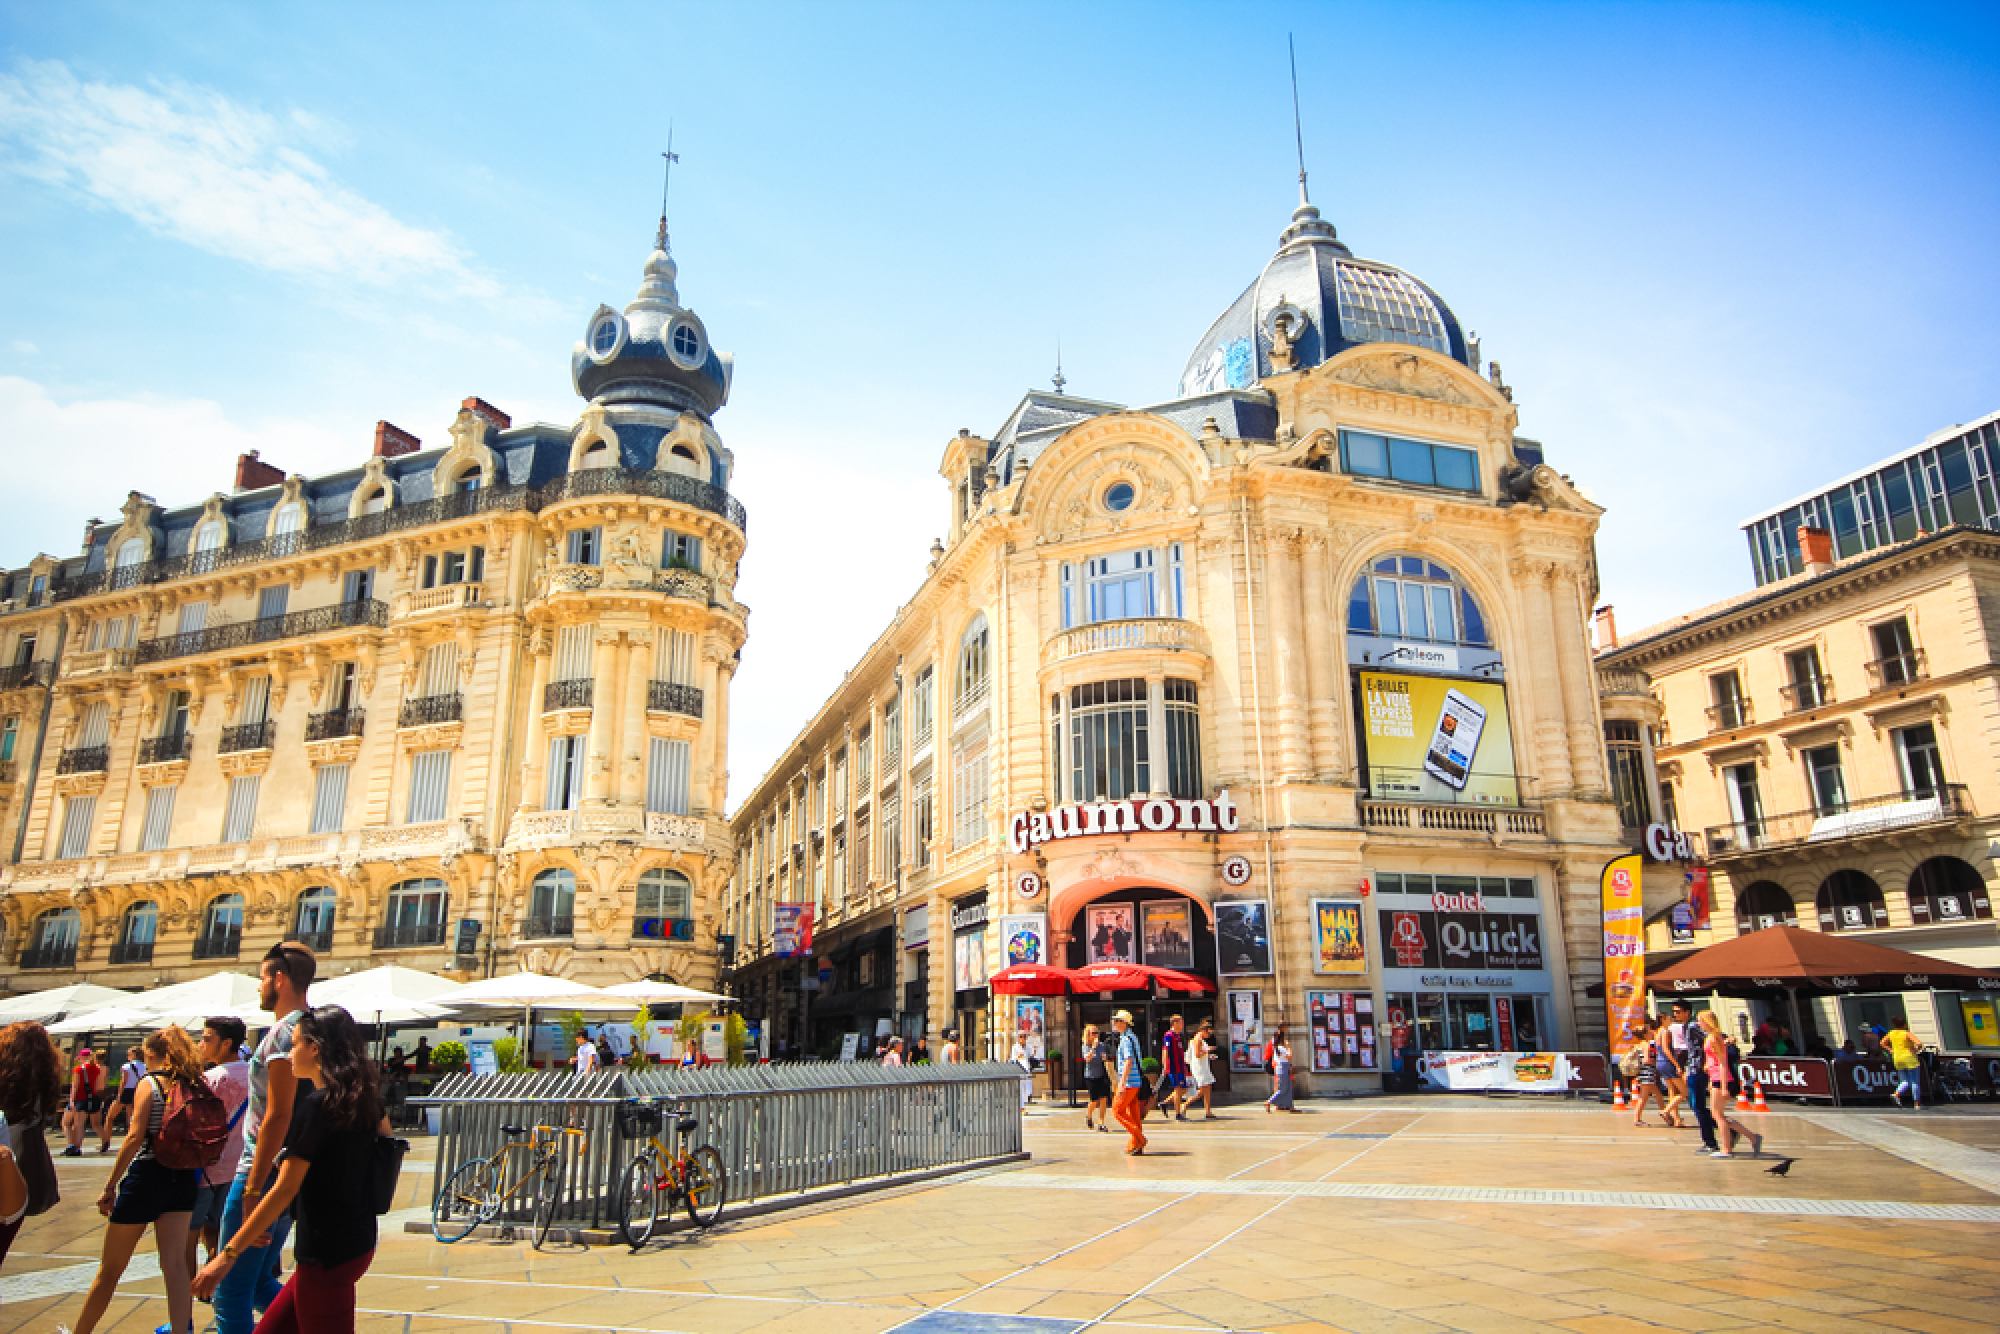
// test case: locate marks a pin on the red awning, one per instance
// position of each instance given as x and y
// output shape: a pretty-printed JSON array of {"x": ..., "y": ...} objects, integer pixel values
[
  {"x": 1175, "y": 980},
  {"x": 1030, "y": 979},
  {"x": 1112, "y": 977},
  {"x": 1815, "y": 963}
]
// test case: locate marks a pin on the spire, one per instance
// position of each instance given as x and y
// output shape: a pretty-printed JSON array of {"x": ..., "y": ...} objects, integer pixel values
[
  {"x": 660, "y": 242},
  {"x": 1298, "y": 126},
  {"x": 1307, "y": 225},
  {"x": 1058, "y": 380},
  {"x": 657, "y": 292}
]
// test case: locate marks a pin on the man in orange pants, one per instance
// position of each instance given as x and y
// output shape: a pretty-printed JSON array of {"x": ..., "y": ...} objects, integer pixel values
[{"x": 1131, "y": 1082}]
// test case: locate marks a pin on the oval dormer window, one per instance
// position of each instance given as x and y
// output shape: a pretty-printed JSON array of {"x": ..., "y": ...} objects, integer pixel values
[
  {"x": 604, "y": 337},
  {"x": 685, "y": 341}
]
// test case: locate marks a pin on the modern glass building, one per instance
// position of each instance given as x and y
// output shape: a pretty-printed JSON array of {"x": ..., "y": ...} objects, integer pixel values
[{"x": 1946, "y": 480}]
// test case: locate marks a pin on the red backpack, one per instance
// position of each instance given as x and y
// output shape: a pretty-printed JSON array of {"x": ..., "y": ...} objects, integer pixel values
[{"x": 193, "y": 1128}]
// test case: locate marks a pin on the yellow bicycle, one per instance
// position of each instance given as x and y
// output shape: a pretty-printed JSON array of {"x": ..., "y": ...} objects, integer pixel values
[
  {"x": 694, "y": 1175},
  {"x": 474, "y": 1193}
]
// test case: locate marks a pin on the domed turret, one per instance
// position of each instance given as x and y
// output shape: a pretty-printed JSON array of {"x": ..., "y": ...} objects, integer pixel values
[
  {"x": 1313, "y": 301},
  {"x": 656, "y": 352}
]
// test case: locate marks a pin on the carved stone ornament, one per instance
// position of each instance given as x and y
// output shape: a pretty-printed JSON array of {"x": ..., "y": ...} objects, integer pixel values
[
  {"x": 1111, "y": 864},
  {"x": 1404, "y": 373},
  {"x": 432, "y": 736},
  {"x": 245, "y": 762},
  {"x": 338, "y": 750},
  {"x": 79, "y": 785},
  {"x": 162, "y": 775}
]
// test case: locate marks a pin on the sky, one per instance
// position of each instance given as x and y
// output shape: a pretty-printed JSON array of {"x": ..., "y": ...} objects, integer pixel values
[{"x": 1724, "y": 253}]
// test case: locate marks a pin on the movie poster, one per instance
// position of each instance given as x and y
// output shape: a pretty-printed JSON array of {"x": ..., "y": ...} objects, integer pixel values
[
  {"x": 1338, "y": 944},
  {"x": 1343, "y": 1030},
  {"x": 1243, "y": 938},
  {"x": 968, "y": 956},
  {"x": 1030, "y": 1025},
  {"x": 1108, "y": 934},
  {"x": 1169, "y": 933},
  {"x": 1024, "y": 938}
]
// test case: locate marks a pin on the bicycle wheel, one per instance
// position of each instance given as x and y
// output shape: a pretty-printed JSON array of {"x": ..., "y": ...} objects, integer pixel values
[
  {"x": 466, "y": 1201},
  {"x": 638, "y": 1201},
  {"x": 547, "y": 1192},
  {"x": 707, "y": 1185}
]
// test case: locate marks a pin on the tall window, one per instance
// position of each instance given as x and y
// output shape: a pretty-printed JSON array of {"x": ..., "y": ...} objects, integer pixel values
[
  {"x": 271, "y": 602},
  {"x": 1625, "y": 751},
  {"x": 664, "y": 898},
  {"x": 78, "y": 812},
  {"x": 969, "y": 795},
  {"x": 891, "y": 842},
  {"x": 329, "y": 806},
  {"x": 415, "y": 912},
  {"x": 974, "y": 669},
  {"x": 313, "y": 921},
  {"x": 1807, "y": 688},
  {"x": 552, "y": 904},
  {"x": 193, "y": 618},
  {"x": 1823, "y": 776},
  {"x": 892, "y": 737},
  {"x": 1109, "y": 745},
  {"x": 1366, "y": 454},
  {"x": 54, "y": 936},
  {"x": 1407, "y": 597},
  {"x": 677, "y": 657},
  {"x": 565, "y": 776},
  {"x": 668, "y": 765},
  {"x": 430, "y": 776},
  {"x": 221, "y": 928},
  {"x": 96, "y": 729},
  {"x": 1670, "y": 806},
  {"x": 1118, "y": 586},
  {"x": 357, "y": 585},
  {"x": 240, "y": 813},
  {"x": 680, "y": 551},
  {"x": 1731, "y": 708},
  {"x": 923, "y": 817},
  {"x": 1183, "y": 739},
  {"x": 585, "y": 545},
  {"x": 289, "y": 519},
  {"x": 1918, "y": 760},
  {"x": 863, "y": 867},
  {"x": 156, "y": 832},
  {"x": 211, "y": 536},
  {"x": 1746, "y": 808},
  {"x": 140, "y": 927},
  {"x": 440, "y": 670},
  {"x": 256, "y": 703},
  {"x": 923, "y": 703},
  {"x": 174, "y": 719},
  {"x": 1897, "y": 661}
]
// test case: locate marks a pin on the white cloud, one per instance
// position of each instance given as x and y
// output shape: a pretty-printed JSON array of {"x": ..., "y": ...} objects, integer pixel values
[
  {"x": 25, "y": 348},
  {"x": 190, "y": 164},
  {"x": 89, "y": 452}
]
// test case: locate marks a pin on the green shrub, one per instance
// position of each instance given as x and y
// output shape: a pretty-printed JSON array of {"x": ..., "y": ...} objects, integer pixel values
[
  {"x": 572, "y": 1029},
  {"x": 1150, "y": 1064},
  {"x": 507, "y": 1055},
  {"x": 447, "y": 1057}
]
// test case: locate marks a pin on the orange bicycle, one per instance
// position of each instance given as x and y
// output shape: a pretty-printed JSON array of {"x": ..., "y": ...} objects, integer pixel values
[{"x": 694, "y": 1174}]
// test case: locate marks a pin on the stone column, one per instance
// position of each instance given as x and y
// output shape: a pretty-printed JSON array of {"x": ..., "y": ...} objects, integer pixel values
[
  {"x": 1156, "y": 725},
  {"x": 716, "y": 724},
  {"x": 1323, "y": 670},
  {"x": 599, "y": 770},
  {"x": 1543, "y": 676},
  {"x": 1288, "y": 676},
  {"x": 1579, "y": 683},
  {"x": 634, "y": 735},
  {"x": 537, "y": 757}
]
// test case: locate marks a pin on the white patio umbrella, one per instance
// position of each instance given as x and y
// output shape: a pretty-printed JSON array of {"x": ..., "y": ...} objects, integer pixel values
[
  {"x": 188, "y": 1003},
  {"x": 109, "y": 1019},
  {"x": 77, "y": 997},
  {"x": 390, "y": 994},
  {"x": 667, "y": 993},
  {"x": 528, "y": 992}
]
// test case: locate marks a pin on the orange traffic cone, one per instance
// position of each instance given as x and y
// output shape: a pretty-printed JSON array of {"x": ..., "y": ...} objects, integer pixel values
[
  {"x": 1761, "y": 1106},
  {"x": 1617, "y": 1096},
  {"x": 1743, "y": 1096}
]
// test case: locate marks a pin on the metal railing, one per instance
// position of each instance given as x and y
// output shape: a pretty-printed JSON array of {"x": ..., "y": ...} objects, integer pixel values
[
  {"x": 24, "y": 674},
  {"x": 248, "y": 736},
  {"x": 334, "y": 724},
  {"x": 1898, "y": 669},
  {"x": 1807, "y": 692},
  {"x": 567, "y": 694},
  {"x": 409, "y": 937},
  {"x": 671, "y": 697},
  {"x": 1167, "y": 633},
  {"x": 166, "y": 749},
  {"x": 1869, "y": 816},
  {"x": 292, "y": 625},
  {"x": 1728, "y": 715},
  {"x": 428, "y": 709},
  {"x": 84, "y": 760},
  {"x": 318, "y": 941},
  {"x": 49, "y": 956},
  {"x": 132, "y": 951},
  {"x": 547, "y": 928},
  {"x": 782, "y": 1130},
  {"x": 1623, "y": 681},
  {"x": 645, "y": 482},
  {"x": 219, "y": 944}
]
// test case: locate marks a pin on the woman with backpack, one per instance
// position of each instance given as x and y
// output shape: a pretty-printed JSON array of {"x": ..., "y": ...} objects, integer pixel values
[
  {"x": 31, "y": 1095},
  {"x": 328, "y": 1168},
  {"x": 144, "y": 1190}
]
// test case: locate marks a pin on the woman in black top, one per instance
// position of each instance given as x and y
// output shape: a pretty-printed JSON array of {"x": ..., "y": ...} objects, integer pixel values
[{"x": 328, "y": 1166}]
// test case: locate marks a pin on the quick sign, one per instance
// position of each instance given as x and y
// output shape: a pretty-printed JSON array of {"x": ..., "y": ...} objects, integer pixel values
[
  {"x": 1156, "y": 815},
  {"x": 1501, "y": 941}
]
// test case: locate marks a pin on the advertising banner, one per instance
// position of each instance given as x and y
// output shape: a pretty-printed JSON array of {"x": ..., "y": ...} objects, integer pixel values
[
  {"x": 1515, "y": 1071},
  {"x": 1108, "y": 933},
  {"x": 1624, "y": 950},
  {"x": 968, "y": 960},
  {"x": 1493, "y": 941},
  {"x": 1168, "y": 933},
  {"x": 1982, "y": 1029},
  {"x": 1343, "y": 1030},
  {"x": 1024, "y": 938},
  {"x": 1243, "y": 938},
  {"x": 1338, "y": 943},
  {"x": 1246, "y": 1031},
  {"x": 1031, "y": 1026},
  {"x": 792, "y": 930},
  {"x": 1435, "y": 738},
  {"x": 1793, "y": 1076}
]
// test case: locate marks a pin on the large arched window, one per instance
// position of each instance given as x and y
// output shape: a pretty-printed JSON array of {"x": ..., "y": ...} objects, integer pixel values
[
  {"x": 664, "y": 908},
  {"x": 1761, "y": 905},
  {"x": 138, "y": 928},
  {"x": 415, "y": 915},
  {"x": 1407, "y": 597},
  {"x": 975, "y": 667},
  {"x": 1850, "y": 901},
  {"x": 1103, "y": 746},
  {"x": 52, "y": 939},
  {"x": 221, "y": 928},
  {"x": 1945, "y": 889},
  {"x": 288, "y": 519},
  {"x": 551, "y": 905},
  {"x": 313, "y": 924},
  {"x": 131, "y": 553}
]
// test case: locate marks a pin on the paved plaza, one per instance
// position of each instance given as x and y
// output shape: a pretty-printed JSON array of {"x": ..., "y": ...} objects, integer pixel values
[{"x": 1439, "y": 1213}]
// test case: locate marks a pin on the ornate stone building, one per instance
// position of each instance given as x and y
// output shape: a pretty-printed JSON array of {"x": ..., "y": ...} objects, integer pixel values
[
  {"x": 1285, "y": 683},
  {"x": 462, "y": 708}
]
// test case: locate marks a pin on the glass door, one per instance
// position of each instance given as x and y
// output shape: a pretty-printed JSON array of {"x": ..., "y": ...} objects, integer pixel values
[{"x": 1471, "y": 1023}]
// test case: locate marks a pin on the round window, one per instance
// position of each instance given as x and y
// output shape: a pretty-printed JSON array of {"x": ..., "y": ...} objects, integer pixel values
[
  {"x": 687, "y": 343},
  {"x": 604, "y": 337},
  {"x": 1119, "y": 496}
]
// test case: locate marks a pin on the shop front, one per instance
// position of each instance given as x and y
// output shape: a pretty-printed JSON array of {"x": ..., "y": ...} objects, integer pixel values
[
  {"x": 1464, "y": 965},
  {"x": 970, "y": 995},
  {"x": 1152, "y": 927}
]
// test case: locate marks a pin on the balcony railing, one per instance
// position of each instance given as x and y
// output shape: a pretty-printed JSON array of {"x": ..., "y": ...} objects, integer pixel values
[
  {"x": 84, "y": 760},
  {"x": 1162, "y": 633},
  {"x": 1729, "y": 715},
  {"x": 547, "y": 928},
  {"x": 292, "y": 625},
  {"x": 672, "y": 697},
  {"x": 1897, "y": 811},
  {"x": 21, "y": 675},
  {"x": 645, "y": 482},
  {"x": 165, "y": 749},
  {"x": 566, "y": 694},
  {"x": 1806, "y": 693},
  {"x": 334, "y": 724},
  {"x": 1623, "y": 681},
  {"x": 49, "y": 956},
  {"x": 248, "y": 736},
  {"x": 318, "y": 941},
  {"x": 409, "y": 937},
  {"x": 431, "y": 709},
  {"x": 219, "y": 944},
  {"x": 132, "y": 951},
  {"x": 1898, "y": 669}
]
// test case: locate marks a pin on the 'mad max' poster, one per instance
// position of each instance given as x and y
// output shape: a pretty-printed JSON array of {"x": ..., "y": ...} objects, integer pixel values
[{"x": 1437, "y": 738}]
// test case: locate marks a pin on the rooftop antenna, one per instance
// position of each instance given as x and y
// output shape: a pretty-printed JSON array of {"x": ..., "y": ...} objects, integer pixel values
[
  {"x": 1298, "y": 133},
  {"x": 1058, "y": 381},
  {"x": 666, "y": 188}
]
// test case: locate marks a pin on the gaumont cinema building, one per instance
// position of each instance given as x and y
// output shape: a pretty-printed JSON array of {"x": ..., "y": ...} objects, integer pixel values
[{"x": 1284, "y": 683}]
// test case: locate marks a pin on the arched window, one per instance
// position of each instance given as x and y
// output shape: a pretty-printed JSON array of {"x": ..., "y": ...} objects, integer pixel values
[
  {"x": 131, "y": 553},
  {"x": 52, "y": 939},
  {"x": 664, "y": 909},
  {"x": 221, "y": 928},
  {"x": 288, "y": 519},
  {"x": 375, "y": 501},
  {"x": 137, "y": 930},
  {"x": 551, "y": 905},
  {"x": 974, "y": 665},
  {"x": 599, "y": 455},
  {"x": 1762, "y": 905},
  {"x": 681, "y": 459},
  {"x": 313, "y": 925},
  {"x": 1850, "y": 901},
  {"x": 1108, "y": 751},
  {"x": 415, "y": 915},
  {"x": 1407, "y": 597},
  {"x": 211, "y": 536},
  {"x": 469, "y": 480},
  {"x": 1945, "y": 889}
]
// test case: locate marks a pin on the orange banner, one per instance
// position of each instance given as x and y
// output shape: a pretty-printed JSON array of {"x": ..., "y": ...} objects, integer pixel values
[{"x": 1624, "y": 951}]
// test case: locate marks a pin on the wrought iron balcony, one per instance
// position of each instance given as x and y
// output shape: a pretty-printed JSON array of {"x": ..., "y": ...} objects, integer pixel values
[
  {"x": 249, "y": 736},
  {"x": 547, "y": 928},
  {"x": 1807, "y": 693},
  {"x": 21, "y": 675},
  {"x": 84, "y": 760},
  {"x": 49, "y": 956},
  {"x": 1729, "y": 715},
  {"x": 1898, "y": 669},
  {"x": 646, "y": 482},
  {"x": 566, "y": 694},
  {"x": 672, "y": 697},
  {"x": 166, "y": 749},
  {"x": 132, "y": 951},
  {"x": 318, "y": 941},
  {"x": 334, "y": 723},
  {"x": 409, "y": 937},
  {"x": 219, "y": 943},
  {"x": 292, "y": 625},
  {"x": 431, "y": 709},
  {"x": 1888, "y": 814}
]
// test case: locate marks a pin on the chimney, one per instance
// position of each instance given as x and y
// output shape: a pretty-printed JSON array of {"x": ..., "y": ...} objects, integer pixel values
[
  {"x": 487, "y": 413},
  {"x": 252, "y": 475},
  {"x": 1607, "y": 628},
  {"x": 1816, "y": 545},
  {"x": 392, "y": 440}
]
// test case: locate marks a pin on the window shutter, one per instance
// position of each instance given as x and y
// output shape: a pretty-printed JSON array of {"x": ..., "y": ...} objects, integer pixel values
[
  {"x": 430, "y": 772},
  {"x": 675, "y": 653},
  {"x": 290, "y": 520},
  {"x": 96, "y": 725},
  {"x": 78, "y": 812},
  {"x": 565, "y": 777},
  {"x": 575, "y": 648},
  {"x": 256, "y": 700},
  {"x": 209, "y": 538},
  {"x": 271, "y": 601},
  {"x": 441, "y": 670},
  {"x": 329, "y": 799},
  {"x": 159, "y": 818},
  {"x": 667, "y": 777},
  {"x": 194, "y": 618},
  {"x": 241, "y": 815}
]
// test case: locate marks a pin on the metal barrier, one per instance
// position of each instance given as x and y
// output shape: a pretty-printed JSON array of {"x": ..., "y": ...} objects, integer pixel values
[{"x": 781, "y": 1129}]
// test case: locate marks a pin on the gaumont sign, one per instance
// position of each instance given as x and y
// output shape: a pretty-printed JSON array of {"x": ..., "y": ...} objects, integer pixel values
[{"x": 1156, "y": 815}]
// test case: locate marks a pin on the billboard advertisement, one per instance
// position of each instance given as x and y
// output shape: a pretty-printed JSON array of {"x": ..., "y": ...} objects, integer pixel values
[
  {"x": 1437, "y": 738},
  {"x": 791, "y": 930},
  {"x": 1494, "y": 941}
]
